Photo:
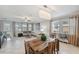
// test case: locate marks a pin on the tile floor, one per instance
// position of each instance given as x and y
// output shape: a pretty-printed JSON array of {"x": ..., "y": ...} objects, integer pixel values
[
  {"x": 16, "y": 46},
  {"x": 13, "y": 46},
  {"x": 68, "y": 49}
]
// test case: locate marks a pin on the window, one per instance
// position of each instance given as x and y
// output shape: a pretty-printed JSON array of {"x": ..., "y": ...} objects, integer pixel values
[
  {"x": 30, "y": 27},
  {"x": 18, "y": 27},
  {"x": 24, "y": 26}
]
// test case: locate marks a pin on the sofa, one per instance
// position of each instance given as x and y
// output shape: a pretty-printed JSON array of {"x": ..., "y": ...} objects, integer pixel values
[{"x": 2, "y": 38}]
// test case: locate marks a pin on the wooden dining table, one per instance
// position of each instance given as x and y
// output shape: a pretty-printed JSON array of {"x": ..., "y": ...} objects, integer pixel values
[{"x": 37, "y": 45}]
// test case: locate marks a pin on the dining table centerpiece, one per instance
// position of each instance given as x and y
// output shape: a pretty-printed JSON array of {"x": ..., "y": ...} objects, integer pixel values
[{"x": 43, "y": 37}]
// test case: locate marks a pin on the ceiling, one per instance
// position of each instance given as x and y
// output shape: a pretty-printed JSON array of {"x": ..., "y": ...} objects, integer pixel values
[{"x": 21, "y": 12}]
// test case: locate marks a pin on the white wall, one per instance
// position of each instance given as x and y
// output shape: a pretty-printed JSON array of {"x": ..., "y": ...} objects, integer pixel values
[{"x": 45, "y": 27}]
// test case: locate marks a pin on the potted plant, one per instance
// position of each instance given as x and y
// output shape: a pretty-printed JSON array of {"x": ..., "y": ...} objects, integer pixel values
[{"x": 43, "y": 37}]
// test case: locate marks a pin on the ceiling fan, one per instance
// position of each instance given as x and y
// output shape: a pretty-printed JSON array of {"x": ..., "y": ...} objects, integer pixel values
[
  {"x": 49, "y": 8},
  {"x": 26, "y": 18}
]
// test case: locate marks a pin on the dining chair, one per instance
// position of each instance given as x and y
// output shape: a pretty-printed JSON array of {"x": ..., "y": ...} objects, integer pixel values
[
  {"x": 56, "y": 46},
  {"x": 26, "y": 45},
  {"x": 51, "y": 48}
]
